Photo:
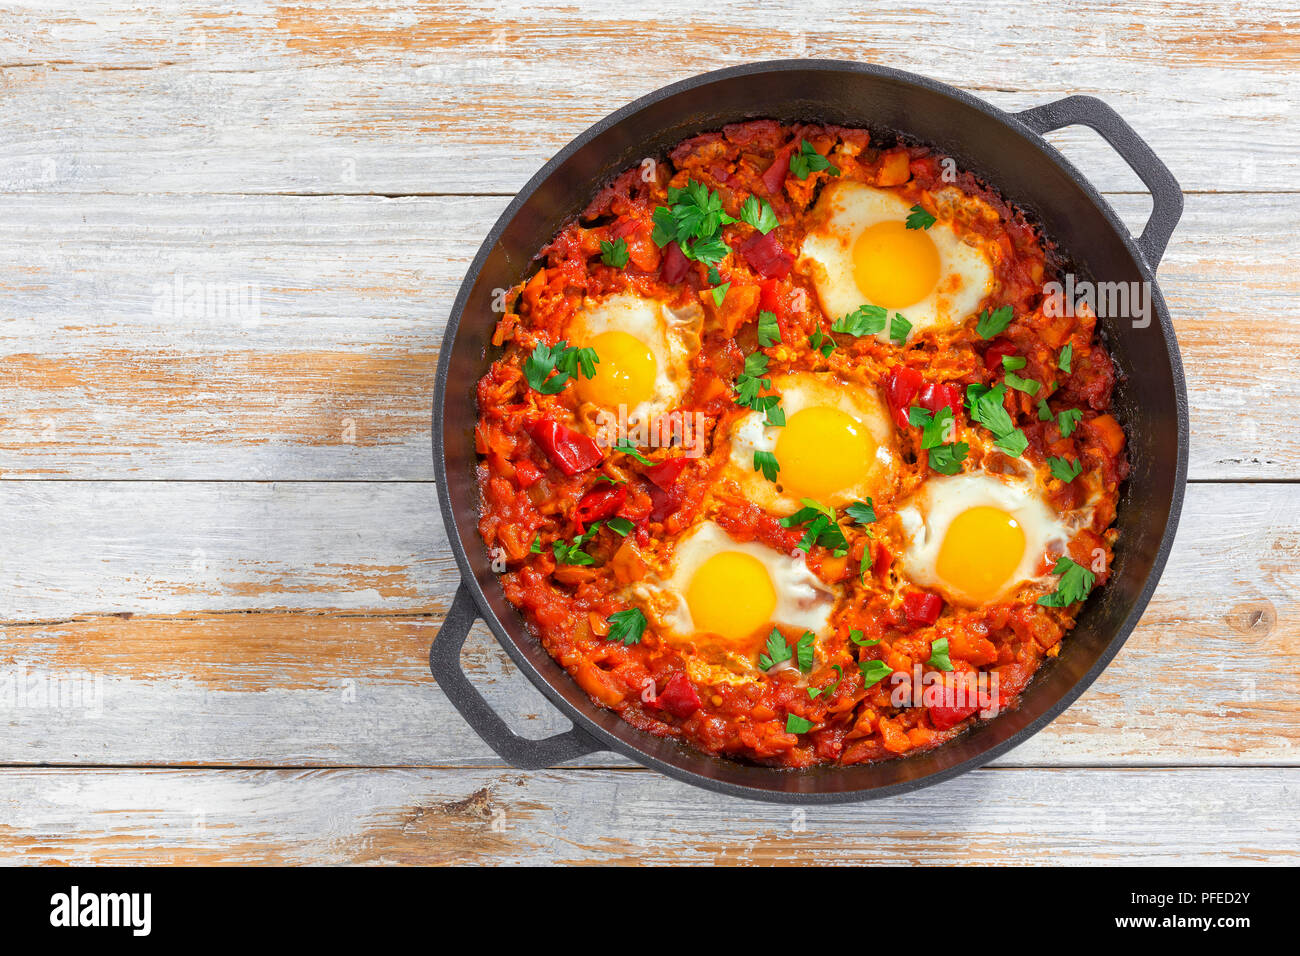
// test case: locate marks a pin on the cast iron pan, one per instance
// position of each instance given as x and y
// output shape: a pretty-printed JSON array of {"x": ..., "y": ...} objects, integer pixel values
[{"x": 1008, "y": 151}]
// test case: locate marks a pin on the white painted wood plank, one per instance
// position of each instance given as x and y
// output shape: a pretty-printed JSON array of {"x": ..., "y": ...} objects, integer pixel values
[
  {"x": 331, "y": 593},
  {"x": 494, "y": 817},
  {"x": 332, "y": 375},
  {"x": 385, "y": 98}
]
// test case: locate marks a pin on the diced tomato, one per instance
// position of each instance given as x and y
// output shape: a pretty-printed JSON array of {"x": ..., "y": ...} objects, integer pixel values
[
  {"x": 768, "y": 257},
  {"x": 922, "y": 607},
  {"x": 665, "y": 474},
  {"x": 934, "y": 397},
  {"x": 527, "y": 474},
  {"x": 599, "y": 504},
  {"x": 679, "y": 697},
  {"x": 675, "y": 264},
  {"x": 993, "y": 357},
  {"x": 774, "y": 175},
  {"x": 769, "y": 298},
  {"x": 570, "y": 451},
  {"x": 900, "y": 389},
  {"x": 943, "y": 717},
  {"x": 881, "y": 559}
]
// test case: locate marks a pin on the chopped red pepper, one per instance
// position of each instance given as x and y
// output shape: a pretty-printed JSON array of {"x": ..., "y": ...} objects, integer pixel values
[
  {"x": 675, "y": 264},
  {"x": 943, "y": 717},
  {"x": 768, "y": 257},
  {"x": 666, "y": 473},
  {"x": 960, "y": 700},
  {"x": 881, "y": 559},
  {"x": 922, "y": 607},
  {"x": 769, "y": 298},
  {"x": 934, "y": 397},
  {"x": 900, "y": 388},
  {"x": 993, "y": 357},
  {"x": 679, "y": 697},
  {"x": 774, "y": 175},
  {"x": 527, "y": 474},
  {"x": 599, "y": 504},
  {"x": 570, "y": 451}
]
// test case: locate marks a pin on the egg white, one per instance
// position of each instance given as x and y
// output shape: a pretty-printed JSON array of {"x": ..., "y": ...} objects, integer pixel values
[
  {"x": 926, "y": 516},
  {"x": 671, "y": 334},
  {"x": 798, "y": 391},
  {"x": 843, "y": 211}
]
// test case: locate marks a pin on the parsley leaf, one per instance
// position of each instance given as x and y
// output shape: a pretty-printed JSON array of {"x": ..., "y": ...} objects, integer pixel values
[
  {"x": 822, "y": 343},
  {"x": 863, "y": 512},
  {"x": 536, "y": 547},
  {"x": 899, "y": 329},
  {"x": 1013, "y": 363},
  {"x": 753, "y": 378},
  {"x": 1044, "y": 413},
  {"x": 758, "y": 213},
  {"x": 561, "y": 359},
  {"x": 1064, "y": 469},
  {"x": 947, "y": 459},
  {"x": 777, "y": 651},
  {"x": 626, "y": 447},
  {"x": 766, "y": 462},
  {"x": 769, "y": 332},
  {"x": 720, "y": 293},
  {"x": 1013, "y": 443},
  {"x": 939, "y": 655},
  {"x": 1027, "y": 385},
  {"x": 815, "y": 692},
  {"x": 694, "y": 221},
  {"x": 1066, "y": 356},
  {"x": 935, "y": 426},
  {"x": 614, "y": 253},
  {"x": 919, "y": 218},
  {"x": 986, "y": 407},
  {"x": 795, "y": 724},
  {"x": 808, "y": 161},
  {"x": 620, "y": 526},
  {"x": 567, "y": 552},
  {"x": 626, "y": 626},
  {"x": 993, "y": 321},
  {"x": 873, "y": 672},
  {"x": 1075, "y": 584},
  {"x": 805, "y": 651},
  {"x": 1068, "y": 420},
  {"x": 821, "y": 527},
  {"x": 857, "y": 638},
  {"x": 865, "y": 320}
]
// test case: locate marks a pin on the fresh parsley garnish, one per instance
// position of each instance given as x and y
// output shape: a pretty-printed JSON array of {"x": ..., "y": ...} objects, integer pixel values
[
  {"x": 620, "y": 526},
  {"x": 795, "y": 724},
  {"x": 1068, "y": 420},
  {"x": 766, "y": 462},
  {"x": 1075, "y": 584},
  {"x": 626, "y": 626},
  {"x": 899, "y": 329},
  {"x": 935, "y": 426},
  {"x": 1013, "y": 443},
  {"x": 986, "y": 407},
  {"x": 947, "y": 459},
  {"x": 720, "y": 293},
  {"x": 769, "y": 332},
  {"x": 777, "y": 651},
  {"x": 919, "y": 218},
  {"x": 1064, "y": 469},
  {"x": 752, "y": 379},
  {"x": 694, "y": 221},
  {"x": 570, "y": 552},
  {"x": 614, "y": 253},
  {"x": 815, "y": 692},
  {"x": 1026, "y": 385},
  {"x": 822, "y": 342},
  {"x": 758, "y": 213},
  {"x": 865, "y": 320},
  {"x": 805, "y": 651},
  {"x": 863, "y": 512},
  {"x": 873, "y": 672},
  {"x": 1066, "y": 356},
  {"x": 564, "y": 361},
  {"x": 859, "y": 639},
  {"x": 939, "y": 655},
  {"x": 821, "y": 527},
  {"x": 1013, "y": 363},
  {"x": 807, "y": 161},
  {"x": 993, "y": 321},
  {"x": 626, "y": 447},
  {"x": 536, "y": 546},
  {"x": 1044, "y": 413}
]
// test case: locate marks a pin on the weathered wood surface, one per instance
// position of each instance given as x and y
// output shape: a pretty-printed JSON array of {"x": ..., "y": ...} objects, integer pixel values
[
  {"x": 285, "y": 624},
  {"x": 619, "y": 817},
  {"x": 262, "y": 633},
  {"x": 332, "y": 375}
]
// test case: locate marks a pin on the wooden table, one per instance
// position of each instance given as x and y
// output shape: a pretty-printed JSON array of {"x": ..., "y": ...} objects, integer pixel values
[{"x": 219, "y": 535}]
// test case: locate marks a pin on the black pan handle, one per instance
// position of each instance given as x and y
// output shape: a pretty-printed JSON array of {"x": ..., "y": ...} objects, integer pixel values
[
  {"x": 520, "y": 752},
  {"x": 1166, "y": 196}
]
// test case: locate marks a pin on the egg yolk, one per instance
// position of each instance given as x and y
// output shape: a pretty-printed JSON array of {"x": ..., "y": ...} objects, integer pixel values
[
  {"x": 731, "y": 595},
  {"x": 980, "y": 552},
  {"x": 625, "y": 374},
  {"x": 894, "y": 266},
  {"x": 824, "y": 453}
]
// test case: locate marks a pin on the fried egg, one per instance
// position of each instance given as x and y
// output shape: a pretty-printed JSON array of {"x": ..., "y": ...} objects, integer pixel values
[
  {"x": 721, "y": 598},
  {"x": 977, "y": 537},
  {"x": 859, "y": 251},
  {"x": 644, "y": 349},
  {"x": 837, "y": 445}
]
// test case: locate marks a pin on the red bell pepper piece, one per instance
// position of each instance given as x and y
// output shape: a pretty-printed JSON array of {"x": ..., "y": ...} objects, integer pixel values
[
  {"x": 599, "y": 504},
  {"x": 769, "y": 298},
  {"x": 922, "y": 607},
  {"x": 767, "y": 256},
  {"x": 675, "y": 264},
  {"x": 960, "y": 700},
  {"x": 665, "y": 474},
  {"x": 679, "y": 697},
  {"x": 943, "y": 717},
  {"x": 774, "y": 175},
  {"x": 934, "y": 397},
  {"x": 993, "y": 357},
  {"x": 570, "y": 451},
  {"x": 527, "y": 474},
  {"x": 901, "y": 387}
]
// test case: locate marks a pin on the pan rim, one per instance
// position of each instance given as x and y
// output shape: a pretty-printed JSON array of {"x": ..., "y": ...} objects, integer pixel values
[{"x": 611, "y": 741}]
